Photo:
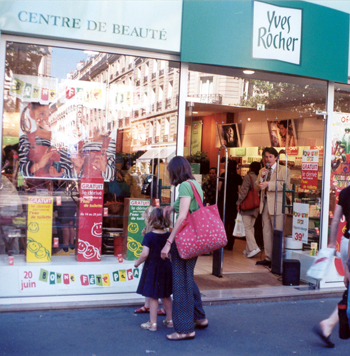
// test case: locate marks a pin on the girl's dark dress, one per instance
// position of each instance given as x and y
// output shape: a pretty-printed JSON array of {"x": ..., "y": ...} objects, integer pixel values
[{"x": 156, "y": 279}]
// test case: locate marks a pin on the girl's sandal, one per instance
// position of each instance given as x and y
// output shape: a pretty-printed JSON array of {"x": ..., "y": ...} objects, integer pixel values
[
  {"x": 179, "y": 336},
  {"x": 201, "y": 324},
  {"x": 149, "y": 326},
  {"x": 143, "y": 309},
  {"x": 168, "y": 323}
]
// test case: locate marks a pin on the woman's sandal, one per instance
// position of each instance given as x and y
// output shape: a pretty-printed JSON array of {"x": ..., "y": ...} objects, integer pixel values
[
  {"x": 179, "y": 336},
  {"x": 168, "y": 323},
  {"x": 149, "y": 326},
  {"x": 143, "y": 309},
  {"x": 201, "y": 324}
]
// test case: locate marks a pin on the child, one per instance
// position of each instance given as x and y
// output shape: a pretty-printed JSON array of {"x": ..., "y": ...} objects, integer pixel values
[
  {"x": 145, "y": 308},
  {"x": 156, "y": 278}
]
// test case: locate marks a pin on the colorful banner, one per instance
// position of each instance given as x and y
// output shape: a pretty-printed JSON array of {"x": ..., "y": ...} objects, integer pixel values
[
  {"x": 33, "y": 279},
  {"x": 309, "y": 170},
  {"x": 90, "y": 220},
  {"x": 39, "y": 229},
  {"x": 300, "y": 222},
  {"x": 136, "y": 223},
  {"x": 30, "y": 88},
  {"x": 89, "y": 94}
]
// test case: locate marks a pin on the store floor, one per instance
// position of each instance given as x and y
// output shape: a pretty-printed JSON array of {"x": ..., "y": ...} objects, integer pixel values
[{"x": 238, "y": 271}]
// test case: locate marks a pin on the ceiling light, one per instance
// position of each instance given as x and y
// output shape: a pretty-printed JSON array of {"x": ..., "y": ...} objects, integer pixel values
[
  {"x": 249, "y": 119},
  {"x": 248, "y": 72},
  {"x": 195, "y": 112}
]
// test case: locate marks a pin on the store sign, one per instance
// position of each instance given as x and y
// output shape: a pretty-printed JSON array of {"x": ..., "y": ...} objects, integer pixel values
[
  {"x": 149, "y": 24},
  {"x": 90, "y": 220},
  {"x": 292, "y": 151},
  {"x": 276, "y": 33},
  {"x": 39, "y": 229},
  {"x": 300, "y": 222},
  {"x": 309, "y": 170}
]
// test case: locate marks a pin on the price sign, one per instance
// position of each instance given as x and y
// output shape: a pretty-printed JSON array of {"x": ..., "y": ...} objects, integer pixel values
[{"x": 300, "y": 222}]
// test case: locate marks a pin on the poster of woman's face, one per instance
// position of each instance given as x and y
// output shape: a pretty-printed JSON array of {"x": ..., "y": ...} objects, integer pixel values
[
  {"x": 282, "y": 133},
  {"x": 229, "y": 135}
]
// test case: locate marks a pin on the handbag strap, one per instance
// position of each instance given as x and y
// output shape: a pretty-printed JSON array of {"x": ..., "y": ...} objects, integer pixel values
[
  {"x": 196, "y": 194},
  {"x": 251, "y": 182}
]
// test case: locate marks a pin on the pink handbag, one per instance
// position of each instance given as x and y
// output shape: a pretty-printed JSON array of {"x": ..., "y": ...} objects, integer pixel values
[{"x": 201, "y": 232}]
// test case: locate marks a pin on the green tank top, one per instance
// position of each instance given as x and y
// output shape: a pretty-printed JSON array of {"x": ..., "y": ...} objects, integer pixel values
[{"x": 185, "y": 190}]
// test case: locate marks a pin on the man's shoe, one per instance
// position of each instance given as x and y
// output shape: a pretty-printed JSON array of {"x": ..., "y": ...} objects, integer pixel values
[{"x": 264, "y": 262}]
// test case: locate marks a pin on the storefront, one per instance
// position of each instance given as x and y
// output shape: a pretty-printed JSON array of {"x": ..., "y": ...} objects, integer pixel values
[{"x": 95, "y": 105}]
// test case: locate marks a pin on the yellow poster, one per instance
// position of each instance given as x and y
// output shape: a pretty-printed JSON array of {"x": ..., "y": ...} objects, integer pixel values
[{"x": 39, "y": 229}]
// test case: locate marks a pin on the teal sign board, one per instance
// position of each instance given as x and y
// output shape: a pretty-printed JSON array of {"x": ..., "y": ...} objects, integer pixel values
[{"x": 292, "y": 37}]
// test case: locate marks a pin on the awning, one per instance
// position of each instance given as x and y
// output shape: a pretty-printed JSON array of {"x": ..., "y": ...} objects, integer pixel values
[{"x": 164, "y": 153}]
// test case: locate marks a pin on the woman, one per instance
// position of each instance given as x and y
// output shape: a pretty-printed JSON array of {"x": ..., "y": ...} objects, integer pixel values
[
  {"x": 249, "y": 216},
  {"x": 234, "y": 181},
  {"x": 188, "y": 311}
]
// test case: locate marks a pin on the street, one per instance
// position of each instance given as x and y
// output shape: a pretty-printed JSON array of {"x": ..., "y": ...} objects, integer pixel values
[{"x": 276, "y": 328}]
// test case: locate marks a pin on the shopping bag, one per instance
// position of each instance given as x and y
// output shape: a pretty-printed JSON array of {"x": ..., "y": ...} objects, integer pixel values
[
  {"x": 238, "y": 231},
  {"x": 201, "y": 232},
  {"x": 321, "y": 264}
]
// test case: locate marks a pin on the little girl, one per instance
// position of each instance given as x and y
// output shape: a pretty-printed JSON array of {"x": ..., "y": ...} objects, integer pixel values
[{"x": 156, "y": 278}]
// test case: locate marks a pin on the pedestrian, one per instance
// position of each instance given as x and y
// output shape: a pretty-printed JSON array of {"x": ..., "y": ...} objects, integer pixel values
[
  {"x": 209, "y": 188},
  {"x": 325, "y": 327},
  {"x": 156, "y": 278},
  {"x": 249, "y": 216},
  {"x": 234, "y": 181},
  {"x": 267, "y": 183},
  {"x": 146, "y": 307},
  {"x": 188, "y": 311}
]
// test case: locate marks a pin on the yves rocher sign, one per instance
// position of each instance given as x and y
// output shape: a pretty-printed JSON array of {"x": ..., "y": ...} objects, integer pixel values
[{"x": 90, "y": 220}]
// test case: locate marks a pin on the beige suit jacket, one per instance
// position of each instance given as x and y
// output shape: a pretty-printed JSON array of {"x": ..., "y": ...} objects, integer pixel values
[{"x": 270, "y": 193}]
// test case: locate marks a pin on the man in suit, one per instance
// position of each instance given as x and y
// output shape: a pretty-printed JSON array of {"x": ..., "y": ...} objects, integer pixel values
[{"x": 266, "y": 183}]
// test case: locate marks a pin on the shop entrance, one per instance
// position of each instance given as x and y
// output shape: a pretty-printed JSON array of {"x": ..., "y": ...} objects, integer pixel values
[{"x": 247, "y": 115}]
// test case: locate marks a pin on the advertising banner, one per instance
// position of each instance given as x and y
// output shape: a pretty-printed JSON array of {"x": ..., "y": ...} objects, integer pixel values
[
  {"x": 135, "y": 225},
  {"x": 300, "y": 222},
  {"x": 340, "y": 159},
  {"x": 309, "y": 169},
  {"x": 90, "y": 220},
  {"x": 39, "y": 229},
  {"x": 59, "y": 141}
]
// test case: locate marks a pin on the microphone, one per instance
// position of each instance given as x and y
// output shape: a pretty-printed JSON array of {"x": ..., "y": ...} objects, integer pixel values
[{"x": 267, "y": 167}]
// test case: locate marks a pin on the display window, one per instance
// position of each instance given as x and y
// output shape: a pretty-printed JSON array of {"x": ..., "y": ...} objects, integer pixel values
[
  {"x": 246, "y": 111},
  {"x": 86, "y": 138}
]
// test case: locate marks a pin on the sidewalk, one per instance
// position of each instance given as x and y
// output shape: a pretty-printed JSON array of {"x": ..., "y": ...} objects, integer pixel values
[
  {"x": 209, "y": 297},
  {"x": 246, "y": 329}
]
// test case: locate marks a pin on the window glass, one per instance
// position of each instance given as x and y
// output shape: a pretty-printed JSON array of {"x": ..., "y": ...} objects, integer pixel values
[{"x": 73, "y": 114}]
